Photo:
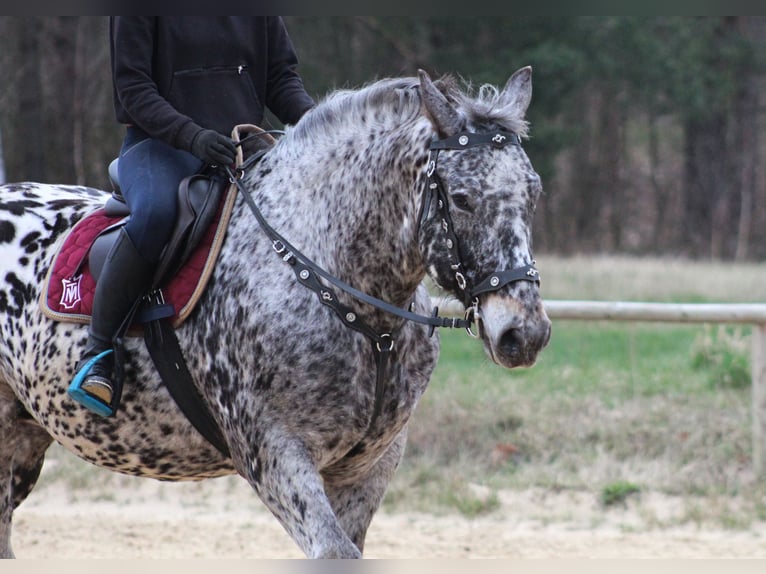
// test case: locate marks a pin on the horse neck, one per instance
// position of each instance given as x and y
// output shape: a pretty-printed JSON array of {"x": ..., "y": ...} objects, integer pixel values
[{"x": 350, "y": 204}]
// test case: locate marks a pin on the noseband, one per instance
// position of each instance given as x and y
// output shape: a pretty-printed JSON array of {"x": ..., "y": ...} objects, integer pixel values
[{"x": 435, "y": 194}]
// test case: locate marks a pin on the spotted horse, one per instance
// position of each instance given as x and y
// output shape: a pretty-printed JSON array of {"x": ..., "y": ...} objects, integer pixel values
[{"x": 311, "y": 360}]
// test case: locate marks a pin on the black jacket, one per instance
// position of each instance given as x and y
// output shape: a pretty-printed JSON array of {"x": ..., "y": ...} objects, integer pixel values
[{"x": 176, "y": 75}]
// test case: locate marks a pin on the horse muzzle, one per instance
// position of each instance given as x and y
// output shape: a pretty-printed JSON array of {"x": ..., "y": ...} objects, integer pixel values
[{"x": 514, "y": 333}]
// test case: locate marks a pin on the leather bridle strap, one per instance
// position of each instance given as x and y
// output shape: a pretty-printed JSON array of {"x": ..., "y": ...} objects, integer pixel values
[
  {"x": 465, "y": 140},
  {"x": 293, "y": 257},
  {"x": 497, "y": 280}
]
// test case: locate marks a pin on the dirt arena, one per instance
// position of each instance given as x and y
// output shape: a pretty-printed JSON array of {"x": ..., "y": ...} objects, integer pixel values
[{"x": 222, "y": 518}]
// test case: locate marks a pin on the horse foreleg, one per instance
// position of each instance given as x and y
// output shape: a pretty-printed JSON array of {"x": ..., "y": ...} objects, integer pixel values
[
  {"x": 355, "y": 503},
  {"x": 22, "y": 450},
  {"x": 287, "y": 481}
]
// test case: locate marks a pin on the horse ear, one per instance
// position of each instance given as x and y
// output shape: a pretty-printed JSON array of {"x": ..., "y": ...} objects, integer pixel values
[
  {"x": 517, "y": 92},
  {"x": 444, "y": 117}
]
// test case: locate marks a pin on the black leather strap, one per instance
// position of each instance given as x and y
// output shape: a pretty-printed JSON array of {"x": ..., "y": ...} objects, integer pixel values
[
  {"x": 162, "y": 343},
  {"x": 466, "y": 140},
  {"x": 292, "y": 256},
  {"x": 498, "y": 280}
]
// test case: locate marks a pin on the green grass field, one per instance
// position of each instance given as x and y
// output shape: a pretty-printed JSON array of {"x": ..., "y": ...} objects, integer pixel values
[{"x": 612, "y": 408}]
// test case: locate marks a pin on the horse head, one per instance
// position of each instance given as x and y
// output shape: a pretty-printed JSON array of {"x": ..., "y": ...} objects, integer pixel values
[{"x": 479, "y": 197}]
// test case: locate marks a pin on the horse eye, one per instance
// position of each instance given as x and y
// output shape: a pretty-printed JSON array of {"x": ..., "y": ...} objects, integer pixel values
[{"x": 461, "y": 202}]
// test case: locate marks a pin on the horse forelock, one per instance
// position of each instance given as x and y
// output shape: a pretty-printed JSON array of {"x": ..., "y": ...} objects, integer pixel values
[{"x": 485, "y": 106}]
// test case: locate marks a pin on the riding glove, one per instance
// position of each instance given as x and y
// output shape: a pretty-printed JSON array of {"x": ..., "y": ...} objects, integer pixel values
[{"x": 212, "y": 147}]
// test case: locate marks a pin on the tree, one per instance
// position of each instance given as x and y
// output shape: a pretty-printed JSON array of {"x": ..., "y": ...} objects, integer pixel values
[
  {"x": 2, "y": 160},
  {"x": 56, "y": 109},
  {"x": 646, "y": 130}
]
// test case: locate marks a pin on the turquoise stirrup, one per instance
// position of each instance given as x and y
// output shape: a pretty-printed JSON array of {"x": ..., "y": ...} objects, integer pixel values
[{"x": 83, "y": 397}]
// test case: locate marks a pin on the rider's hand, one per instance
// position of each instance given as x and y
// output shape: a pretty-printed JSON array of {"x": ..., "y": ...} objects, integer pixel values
[{"x": 212, "y": 147}]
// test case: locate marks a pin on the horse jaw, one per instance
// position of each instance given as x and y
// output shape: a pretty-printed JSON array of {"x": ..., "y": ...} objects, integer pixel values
[{"x": 513, "y": 333}]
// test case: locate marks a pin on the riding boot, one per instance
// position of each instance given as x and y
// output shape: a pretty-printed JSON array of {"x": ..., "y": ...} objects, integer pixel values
[{"x": 125, "y": 277}]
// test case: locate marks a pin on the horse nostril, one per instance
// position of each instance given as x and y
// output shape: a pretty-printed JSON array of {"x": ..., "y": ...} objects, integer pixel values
[
  {"x": 511, "y": 342},
  {"x": 520, "y": 345}
]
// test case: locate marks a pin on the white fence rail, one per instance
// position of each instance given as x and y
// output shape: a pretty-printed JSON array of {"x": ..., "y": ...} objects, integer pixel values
[{"x": 728, "y": 313}]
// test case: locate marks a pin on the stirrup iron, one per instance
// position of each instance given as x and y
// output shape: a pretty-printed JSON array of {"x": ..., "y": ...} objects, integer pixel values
[{"x": 85, "y": 398}]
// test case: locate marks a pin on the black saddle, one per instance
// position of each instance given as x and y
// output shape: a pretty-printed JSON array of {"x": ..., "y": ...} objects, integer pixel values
[{"x": 198, "y": 198}]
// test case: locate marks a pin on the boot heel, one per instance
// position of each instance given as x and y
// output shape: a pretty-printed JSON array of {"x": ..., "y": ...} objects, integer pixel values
[{"x": 80, "y": 395}]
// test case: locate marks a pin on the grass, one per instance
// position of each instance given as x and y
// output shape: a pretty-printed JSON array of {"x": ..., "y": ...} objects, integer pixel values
[
  {"x": 609, "y": 405},
  {"x": 723, "y": 354},
  {"x": 617, "y": 493},
  {"x": 609, "y": 278}
]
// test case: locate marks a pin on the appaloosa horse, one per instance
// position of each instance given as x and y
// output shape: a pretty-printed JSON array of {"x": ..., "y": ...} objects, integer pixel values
[{"x": 311, "y": 384}]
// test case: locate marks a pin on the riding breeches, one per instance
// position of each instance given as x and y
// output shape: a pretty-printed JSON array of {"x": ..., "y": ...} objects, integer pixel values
[{"x": 149, "y": 171}]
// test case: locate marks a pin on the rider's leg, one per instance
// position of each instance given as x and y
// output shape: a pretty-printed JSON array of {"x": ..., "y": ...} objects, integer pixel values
[
  {"x": 149, "y": 173},
  {"x": 125, "y": 277}
]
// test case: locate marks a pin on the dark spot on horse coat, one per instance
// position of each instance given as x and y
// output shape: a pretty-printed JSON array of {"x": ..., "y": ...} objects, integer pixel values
[
  {"x": 20, "y": 292},
  {"x": 263, "y": 383},
  {"x": 30, "y": 239},
  {"x": 7, "y": 231},
  {"x": 18, "y": 207}
]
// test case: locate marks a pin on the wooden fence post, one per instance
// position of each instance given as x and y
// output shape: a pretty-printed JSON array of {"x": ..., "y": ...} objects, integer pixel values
[{"x": 758, "y": 357}]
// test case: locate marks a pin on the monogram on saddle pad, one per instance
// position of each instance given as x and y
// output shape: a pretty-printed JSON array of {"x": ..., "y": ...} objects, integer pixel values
[{"x": 205, "y": 203}]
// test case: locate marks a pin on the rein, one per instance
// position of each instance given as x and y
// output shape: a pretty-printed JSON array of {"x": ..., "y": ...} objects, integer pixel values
[
  {"x": 304, "y": 267},
  {"x": 308, "y": 273}
]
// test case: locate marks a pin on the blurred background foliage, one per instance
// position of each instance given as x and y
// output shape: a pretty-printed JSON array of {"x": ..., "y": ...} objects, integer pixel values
[{"x": 646, "y": 130}]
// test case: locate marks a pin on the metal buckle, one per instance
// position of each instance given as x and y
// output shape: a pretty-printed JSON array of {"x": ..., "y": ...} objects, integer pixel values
[
  {"x": 390, "y": 346},
  {"x": 472, "y": 316},
  {"x": 155, "y": 296},
  {"x": 460, "y": 278},
  {"x": 499, "y": 140},
  {"x": 238, "y": 173}
]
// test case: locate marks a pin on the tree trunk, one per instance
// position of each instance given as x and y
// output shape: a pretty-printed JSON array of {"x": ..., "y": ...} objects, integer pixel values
[
  {"x": 706, "y": 186},
  {"x": 28, "y": 120},
  {"x": 2, "y": 160},
  {"x": 747, "y": 125}
]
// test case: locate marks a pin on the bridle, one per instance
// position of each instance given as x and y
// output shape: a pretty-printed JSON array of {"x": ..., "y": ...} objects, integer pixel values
[
  {"x": 309, "y": 273},
  {"x": 436, "y": 194}
]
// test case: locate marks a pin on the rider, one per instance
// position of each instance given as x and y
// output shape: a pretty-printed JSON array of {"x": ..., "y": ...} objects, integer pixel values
[{"x": 181, "y": 84}]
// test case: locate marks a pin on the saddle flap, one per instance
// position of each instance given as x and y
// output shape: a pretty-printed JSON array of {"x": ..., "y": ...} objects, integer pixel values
[{"x": 199, "y": 196}]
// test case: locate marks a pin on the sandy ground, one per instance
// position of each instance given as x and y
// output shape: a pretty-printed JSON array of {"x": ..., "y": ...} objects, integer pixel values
[{"x": 222, "y": 518}]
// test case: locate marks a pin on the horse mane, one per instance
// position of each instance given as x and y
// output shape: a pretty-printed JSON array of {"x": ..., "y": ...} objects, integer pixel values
[{"x": 398, "y": 100}]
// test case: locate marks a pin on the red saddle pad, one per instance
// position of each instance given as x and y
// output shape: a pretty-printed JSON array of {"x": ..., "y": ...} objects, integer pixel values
[{"x": 69, "y": 287}]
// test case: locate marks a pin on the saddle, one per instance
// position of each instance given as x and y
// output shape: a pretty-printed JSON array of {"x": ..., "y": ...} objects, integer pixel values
[{"x": 205, "y": 203}]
